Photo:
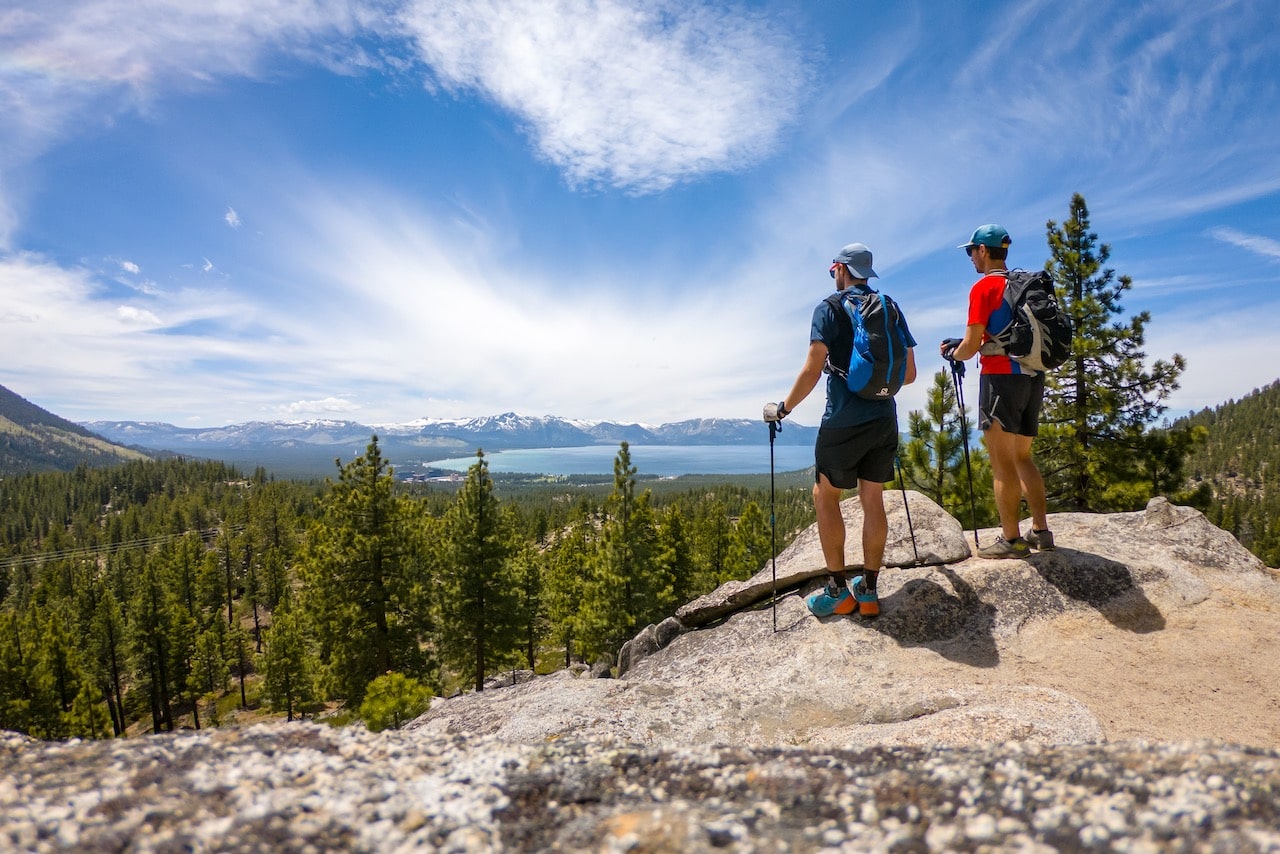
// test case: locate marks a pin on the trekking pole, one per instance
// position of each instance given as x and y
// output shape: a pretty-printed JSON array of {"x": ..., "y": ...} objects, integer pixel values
[
  {"x": 774, "y": 428},
  {"x": 902, "y": 486},
  {"x": 957, "y": 374}
]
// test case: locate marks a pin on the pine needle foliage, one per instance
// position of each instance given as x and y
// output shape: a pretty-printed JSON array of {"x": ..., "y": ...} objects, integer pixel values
[
  {"x": 1095, "y": 449},
  {"x": 481, "y": 623},
  {"x": 366, "y": 580}
]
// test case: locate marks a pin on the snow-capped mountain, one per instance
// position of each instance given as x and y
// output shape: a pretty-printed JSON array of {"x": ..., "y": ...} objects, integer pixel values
[{"x": 494, "y": 432}]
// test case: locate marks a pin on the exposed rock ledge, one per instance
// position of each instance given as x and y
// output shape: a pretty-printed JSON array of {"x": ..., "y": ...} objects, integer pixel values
[
  {"x": 304, "y": 787},
  {"x": 1059, "y": 702},
  {"x": 1153, "y": 624}
]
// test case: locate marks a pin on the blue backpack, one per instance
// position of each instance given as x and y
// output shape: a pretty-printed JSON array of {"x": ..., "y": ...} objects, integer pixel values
[{"x": 876, "y": 364}]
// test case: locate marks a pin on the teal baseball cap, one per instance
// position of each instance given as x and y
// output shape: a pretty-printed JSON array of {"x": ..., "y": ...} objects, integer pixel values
[{"x": 991, "y": 235}]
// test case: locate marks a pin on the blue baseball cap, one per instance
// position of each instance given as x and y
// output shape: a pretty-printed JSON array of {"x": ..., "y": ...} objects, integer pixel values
[
  {"x": 990, "y": 235},
  {"x": 857, "y": 258}
]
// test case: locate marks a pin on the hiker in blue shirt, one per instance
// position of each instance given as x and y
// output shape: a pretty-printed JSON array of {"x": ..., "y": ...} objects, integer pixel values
[{"x": 856, "y": 446}]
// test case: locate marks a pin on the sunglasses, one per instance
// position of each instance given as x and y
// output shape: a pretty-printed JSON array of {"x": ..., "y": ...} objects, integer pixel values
[{"x": 834, "y": 266}]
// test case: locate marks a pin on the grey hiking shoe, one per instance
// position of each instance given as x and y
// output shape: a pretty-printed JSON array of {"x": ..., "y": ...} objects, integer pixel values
[
  {"x": 1002, "y": 548},
  {"x": 1042, "y": 540}
]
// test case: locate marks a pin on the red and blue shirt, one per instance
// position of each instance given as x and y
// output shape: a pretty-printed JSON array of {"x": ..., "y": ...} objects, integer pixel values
[{"x": 987, "y": 308}]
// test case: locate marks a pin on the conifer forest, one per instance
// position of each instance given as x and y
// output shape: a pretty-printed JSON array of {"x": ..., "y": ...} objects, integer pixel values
[{"x": 181, "y": 593}]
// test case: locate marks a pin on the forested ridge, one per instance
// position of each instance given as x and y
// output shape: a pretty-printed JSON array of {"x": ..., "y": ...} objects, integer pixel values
[
  {"x": 1234, "y": 470},
  {"x": 163, "y": 594},
  {"x": 33, "y": 439}
]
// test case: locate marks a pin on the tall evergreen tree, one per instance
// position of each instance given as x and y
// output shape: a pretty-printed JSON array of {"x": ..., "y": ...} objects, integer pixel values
[
  {"x": 288, "y": 682},
  {"x": 625, "y": 586},
  {"x": 150, "y": 633},
  {"x": 480, "y": 619},
  {"x": 531, "y": 611},
  {"x": 749, "y": 546},
  {"x": 365, "y": 579},
  {"x": 565, "y": 579},
  {"x": 675, "y": 553},
  {"x": 106, "y": 644},
  {"x": 1094, "y": 444},
  {"x": 933, "y": 458},
  {"x": 712, "y": 534}
]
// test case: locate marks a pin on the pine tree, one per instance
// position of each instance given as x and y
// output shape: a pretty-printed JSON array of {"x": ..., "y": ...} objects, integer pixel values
[
  {"x": 566, "y": 578},
  {"x": 365, "y": 579},
  {"x": 15, "y": 673},
  {"x": 625, "y": 586},
  {"x": 1094, "y": 445},
  {"x": 106, "y": 644},
  {"x": 288, "y": 682},
  {"x": 749, "y": 545},
  {"x": 149, "y": 634},
  {"x": 480, "y": 619},
  {"x": 529, "y": 566},
  {"x": 393, "y": 699},
  {"x": 933, "y": 458},
  {"x": 712, "y": 534},
  {"x": 675, "y": 553}
]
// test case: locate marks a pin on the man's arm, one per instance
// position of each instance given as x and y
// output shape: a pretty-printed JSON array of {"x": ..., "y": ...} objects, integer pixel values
[
  {"x": 808, "y": 377},
  {"x": 910, "y": 376},
  {"x": 968, "y": 345}
]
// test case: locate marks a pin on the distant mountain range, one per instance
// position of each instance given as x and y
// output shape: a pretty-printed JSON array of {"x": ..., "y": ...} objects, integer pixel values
[
  {"x": 443, "y": 437},
  {"x": 307, "y": 448},
  {"x": 33, "y": 439}
]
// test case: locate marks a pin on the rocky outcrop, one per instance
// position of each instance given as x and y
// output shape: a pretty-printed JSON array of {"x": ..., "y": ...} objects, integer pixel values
[
  {"x": 1123, "y": 627},
  {"x": 305, "y": 787},
  {"x": 1122, "y": 692}
]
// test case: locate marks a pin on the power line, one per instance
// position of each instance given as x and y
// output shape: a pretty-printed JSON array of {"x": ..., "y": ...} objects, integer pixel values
[{"x": 91, "y": 551}]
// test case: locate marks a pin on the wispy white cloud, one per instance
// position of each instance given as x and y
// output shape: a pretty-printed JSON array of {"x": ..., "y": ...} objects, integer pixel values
[
  {"x": 82, "y": 63},
  {"x": 396, "y": 292},
  {"x": 383, "y": 310},
  {"x": 85, "y": 345},
  {"x": 134, "y": 316},
  {"x": 1267, "y": 247},
  {"x": 638, "y": 96}
]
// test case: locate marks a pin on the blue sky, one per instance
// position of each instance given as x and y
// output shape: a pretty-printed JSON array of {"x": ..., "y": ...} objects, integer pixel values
[{"x": 384, "y": 210}]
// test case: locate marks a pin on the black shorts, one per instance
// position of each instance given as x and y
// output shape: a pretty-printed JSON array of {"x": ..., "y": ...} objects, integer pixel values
[
  {"x": 865, "y": 452},
  {"x": 1013, "y": 400}
]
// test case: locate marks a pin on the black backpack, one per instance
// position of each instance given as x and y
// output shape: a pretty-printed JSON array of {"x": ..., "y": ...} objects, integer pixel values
[
  {"x": 1039, "y": 336},
  {"x": 876, "y": 363}
]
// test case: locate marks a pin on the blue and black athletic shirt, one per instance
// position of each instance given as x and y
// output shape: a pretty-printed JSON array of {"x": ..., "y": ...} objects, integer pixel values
[{"x": 844, "y": 408}]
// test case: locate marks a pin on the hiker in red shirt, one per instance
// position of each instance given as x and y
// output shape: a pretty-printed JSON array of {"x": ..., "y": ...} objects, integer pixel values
[{"x": 1009, "y": 399}]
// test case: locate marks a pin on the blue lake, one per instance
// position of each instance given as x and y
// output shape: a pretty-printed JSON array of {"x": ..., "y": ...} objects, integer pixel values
[{"x": 661, "y": 460}]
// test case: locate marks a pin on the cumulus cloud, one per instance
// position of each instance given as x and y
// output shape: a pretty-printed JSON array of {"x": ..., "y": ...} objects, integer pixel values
[
  {"x": 231, "y": 218},
  {"x": 637, "y": 96},
  {"x": 130, "y": 267}
]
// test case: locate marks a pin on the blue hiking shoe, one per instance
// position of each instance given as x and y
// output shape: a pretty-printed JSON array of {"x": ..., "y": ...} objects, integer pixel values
[
  {"x": 867, "y": 600},
  {"x": 831, "y": 599}
]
